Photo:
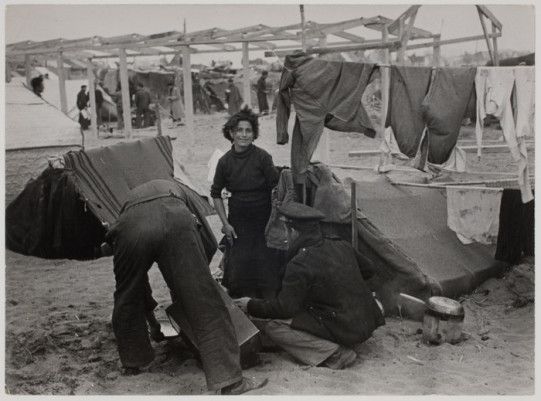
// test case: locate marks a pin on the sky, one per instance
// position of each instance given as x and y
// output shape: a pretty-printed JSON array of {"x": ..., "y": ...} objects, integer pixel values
[{"x": 72, "y": 20}]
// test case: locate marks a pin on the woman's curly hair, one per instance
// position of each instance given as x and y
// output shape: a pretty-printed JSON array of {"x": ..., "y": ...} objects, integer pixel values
[{"x": 245, "y": 114}]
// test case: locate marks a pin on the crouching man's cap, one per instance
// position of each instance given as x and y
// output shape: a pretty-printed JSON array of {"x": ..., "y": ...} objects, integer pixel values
[{"x": 295, "y": 211}]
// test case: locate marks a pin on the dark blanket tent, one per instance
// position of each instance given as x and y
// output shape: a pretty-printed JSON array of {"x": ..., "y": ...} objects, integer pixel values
[{"x": 61, "y": 214}]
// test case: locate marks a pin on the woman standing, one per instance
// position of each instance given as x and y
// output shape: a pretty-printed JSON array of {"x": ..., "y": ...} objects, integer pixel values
[
  {"x": 177, "y": 108},
  {"x": 249, "y": 174}
]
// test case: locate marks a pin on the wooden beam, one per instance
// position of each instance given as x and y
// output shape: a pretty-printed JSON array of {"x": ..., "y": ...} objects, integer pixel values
[
  {"x": 404, "y": 36},
  {"x": 487, "y": 39},
  {"x": 495, "y": 46},
  {"x": 272, "y": 30},
  {"x": 62, "y": 84},
  {"x": 487, "y": 13},
  {"x": 233, "y": 32},
  {"x": 125, "y": 90},
  {"x": 450, "y": 41},
  {"x": 246, "y": 75},
  {"x": 349, "y": 36},
  {"x": 91, "y": 90},
  {"x": 385, "y": 77},
  {"x": 340, "y": 26},
  {"x": 411, "y": 11},
  {"x": 360, "y": 46},
  {"x": 416, "y": 33},
  {"x": 188, "y": 98}
]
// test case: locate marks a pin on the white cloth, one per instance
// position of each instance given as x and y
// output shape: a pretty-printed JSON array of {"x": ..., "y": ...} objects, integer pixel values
[
  {"x": 473, "y": 213},
  {"x": 494, "y": 86}
]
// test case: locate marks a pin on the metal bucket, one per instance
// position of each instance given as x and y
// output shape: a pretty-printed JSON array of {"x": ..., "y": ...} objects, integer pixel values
[{"x": 443, "y": 321}]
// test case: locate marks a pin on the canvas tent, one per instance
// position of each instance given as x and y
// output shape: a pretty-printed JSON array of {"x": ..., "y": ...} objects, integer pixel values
[
  {"x": 36, "y": 133},
  {"x": 62, "y": 213}
]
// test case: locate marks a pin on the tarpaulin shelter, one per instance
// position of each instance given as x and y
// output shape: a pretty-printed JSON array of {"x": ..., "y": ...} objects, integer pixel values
[
  {"x": 35, "y": 134},
  {"x": 62, "y": 213}
]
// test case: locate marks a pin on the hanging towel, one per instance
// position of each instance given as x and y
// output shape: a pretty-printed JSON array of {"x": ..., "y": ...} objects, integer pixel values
[
  {"x": 525, "y": 101},
  {"x": 494, "y": 86},
  {"x": 409, "y": 86},
  {"x": 323, "y": 93},
  {"x": 474, "y": 213},
  {"x": 444, "y": 108}
]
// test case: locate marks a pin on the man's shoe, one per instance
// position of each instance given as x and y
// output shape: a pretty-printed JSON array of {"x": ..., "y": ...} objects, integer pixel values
[
  {"x": 130, "y": 371},
  {"x": 341, "y": 358},
  {"x": 243, "y": 386}
]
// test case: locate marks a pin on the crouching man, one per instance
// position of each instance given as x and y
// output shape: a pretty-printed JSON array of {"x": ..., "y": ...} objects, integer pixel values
[
  {"x": 155, "y": 225},
  {"x": 324, "y": 306}
]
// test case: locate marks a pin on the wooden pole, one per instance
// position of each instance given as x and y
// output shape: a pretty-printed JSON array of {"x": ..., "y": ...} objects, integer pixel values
[
  {"x": 487, "y": 39},
  {"x": 303, "y": 28},
  {"x": 354, "y": 239},
  {"x": 125, "y": 90},
  {"x": 401, "y": 50},
  {"x": 28, "y": 70},
  {"x": 495, "y": 46},
  {"x": 62, "y": 83},
  {"x": 91, "y": 91},
  {"x": 436, "y": 51},
  {"x": 385, "y": 76},
  {"x": 158, "y": 116},
  {"x": 188, "y": 97},
  {"x": 246, "y": 75}
]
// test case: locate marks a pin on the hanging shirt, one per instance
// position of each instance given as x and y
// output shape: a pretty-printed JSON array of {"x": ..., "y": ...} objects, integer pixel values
[
  {"x": 324, "y": 93},
  {"x": 494, "y": 86}
]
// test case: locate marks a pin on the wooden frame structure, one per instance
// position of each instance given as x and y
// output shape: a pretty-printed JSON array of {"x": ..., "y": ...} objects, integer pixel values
[{"x": 309, "y": 36}]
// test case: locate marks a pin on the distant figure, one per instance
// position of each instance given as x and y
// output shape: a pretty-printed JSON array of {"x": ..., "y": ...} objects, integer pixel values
[
  {"x": 200, "y": 97},
  {"x": 99, "y": 102},
  {"x": 117, "y": 98},
  {"x": 37, "y": 85},
  {"x": 82, "y": 98},
  {"x": 142, "y": 103},
  {"x": 262, "y": 94},
  {"x": 176, "y": 108},
  {"x": 82, "y": 103},
  {"x": 232, "y": 97}
]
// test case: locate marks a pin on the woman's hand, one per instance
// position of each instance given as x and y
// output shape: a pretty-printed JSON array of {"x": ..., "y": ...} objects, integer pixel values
[{"x": 229, "y": 232}]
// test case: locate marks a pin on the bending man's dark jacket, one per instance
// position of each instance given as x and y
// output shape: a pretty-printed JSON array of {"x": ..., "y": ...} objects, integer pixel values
[
  {"x": 324, "y": 93},
  {"x": 324, "y": 292}
]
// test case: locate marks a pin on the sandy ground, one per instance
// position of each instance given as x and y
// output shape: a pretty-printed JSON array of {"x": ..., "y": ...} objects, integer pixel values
[{"x": 59, "y": 338}]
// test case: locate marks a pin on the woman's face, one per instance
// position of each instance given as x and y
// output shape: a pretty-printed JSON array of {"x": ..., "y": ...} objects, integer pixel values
[{"x": 243, "y": 136}]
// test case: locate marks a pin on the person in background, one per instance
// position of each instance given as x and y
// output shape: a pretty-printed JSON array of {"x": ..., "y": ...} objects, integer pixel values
[
  {"x": 37, "y": 85},
  {"x": 82, "y": 98},
  {"x": 176, "y": 106},
  {"x": 156, "y": 225},
  {"x": 233, "y": 97},
  {"x": 82, "y": 103},
  {"x": 262, "y": 94},
  {"x": 142, "y": 102},
  {"x": 324, "y": 306},
  {"x": 248, "y": 173},
  {"x": 99, "y": 103},
  {"x": 117, "y": 98}
]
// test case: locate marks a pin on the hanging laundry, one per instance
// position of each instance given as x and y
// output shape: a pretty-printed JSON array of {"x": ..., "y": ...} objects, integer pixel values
[
  {"x": 409, "y": 86},
  {"x": 494, "y": 86},
  {"x": 444, "y": 108},
  {"x": 525, "y": 109},
  {"x": 516, "y": 231},
  {"x": 474, "y": 213},
  {"x": 323, "y": 93}
]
